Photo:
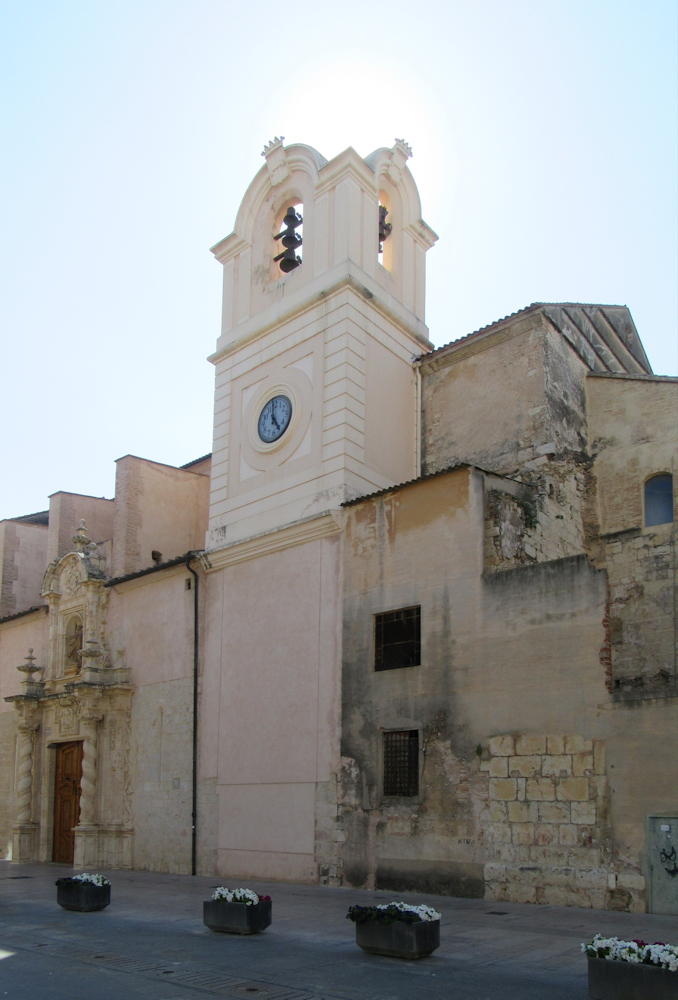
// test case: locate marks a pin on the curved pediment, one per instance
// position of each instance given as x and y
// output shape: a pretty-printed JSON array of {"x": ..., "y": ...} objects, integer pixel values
[{"x": 68, "y": 575}]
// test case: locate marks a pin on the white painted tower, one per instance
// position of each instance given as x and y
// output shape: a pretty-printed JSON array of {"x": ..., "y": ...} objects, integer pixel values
[
  {"x": 335, "y": 336},
  {"x": 315, "y": 403}
]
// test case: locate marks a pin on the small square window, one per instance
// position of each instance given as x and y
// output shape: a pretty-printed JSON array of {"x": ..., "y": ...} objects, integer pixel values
[
  {"x": 401, "y": 763},
  {"x": 397, "y": 639}
]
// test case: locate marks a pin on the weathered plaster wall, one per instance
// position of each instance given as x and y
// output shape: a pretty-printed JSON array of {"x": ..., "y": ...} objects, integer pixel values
[
  {"x": 23, "y": 557},
  {"x": 66, "y": 510},
  {"x": 417, "y": 546},
  {"x": 157, "y": 508},
  {"x": 514, "y": 715},
  {"x": 270, "y": 697}
]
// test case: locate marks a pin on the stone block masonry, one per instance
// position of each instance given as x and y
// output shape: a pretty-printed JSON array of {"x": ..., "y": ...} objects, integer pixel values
[{"x": 546, "y": 825}]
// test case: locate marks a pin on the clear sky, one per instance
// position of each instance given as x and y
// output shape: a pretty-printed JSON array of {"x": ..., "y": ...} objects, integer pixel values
[{"x": 544, "y": 136}]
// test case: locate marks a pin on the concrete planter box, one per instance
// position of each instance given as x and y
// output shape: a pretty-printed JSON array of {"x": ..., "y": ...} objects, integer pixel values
[
  {"x": 83, "y": 896},
  {"x": 236, "y": 918},
  {"x": 610, "y": 980},
  {"x": 398, "y": 940}
]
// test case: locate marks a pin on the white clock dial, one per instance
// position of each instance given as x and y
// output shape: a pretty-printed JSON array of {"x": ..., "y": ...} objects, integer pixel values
[{"x": 274, "y": 419}]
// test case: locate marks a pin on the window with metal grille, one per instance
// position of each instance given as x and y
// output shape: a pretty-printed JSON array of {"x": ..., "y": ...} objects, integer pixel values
[
  {"x": 397, "y": 639},
  {"x": 401, "y": 763}
]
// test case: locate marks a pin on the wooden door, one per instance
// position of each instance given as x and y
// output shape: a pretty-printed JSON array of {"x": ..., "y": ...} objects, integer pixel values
[{"x": 66, "y": 799}]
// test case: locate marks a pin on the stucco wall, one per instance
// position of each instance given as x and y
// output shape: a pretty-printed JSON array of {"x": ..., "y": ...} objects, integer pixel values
[
  {"x": 151, "y": 632},
  {"x": 15, "y": 639},
  {"x": 390, "y": 413},
  {"x": 270, "y": 705}
]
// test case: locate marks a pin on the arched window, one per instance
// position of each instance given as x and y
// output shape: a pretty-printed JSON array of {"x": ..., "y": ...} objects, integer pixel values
[
  {"x": 73, "y": 644},
  {"x": 659, "y": 500}
]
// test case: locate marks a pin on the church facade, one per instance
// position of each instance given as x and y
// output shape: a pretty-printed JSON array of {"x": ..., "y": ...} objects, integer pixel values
[{"x": 412, "y": 624}]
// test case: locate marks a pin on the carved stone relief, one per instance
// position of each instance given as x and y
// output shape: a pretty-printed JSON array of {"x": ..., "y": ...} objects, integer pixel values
[{"x": 68, "y": 717}]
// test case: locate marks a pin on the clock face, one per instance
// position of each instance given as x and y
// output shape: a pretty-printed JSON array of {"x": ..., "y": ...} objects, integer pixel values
[{"x": 274, "y": 419}]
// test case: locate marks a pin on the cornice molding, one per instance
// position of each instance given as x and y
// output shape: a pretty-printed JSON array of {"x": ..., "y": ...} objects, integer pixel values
[
  {"x": 345, "y": 275},
  {"x": 274, "y": 541}
]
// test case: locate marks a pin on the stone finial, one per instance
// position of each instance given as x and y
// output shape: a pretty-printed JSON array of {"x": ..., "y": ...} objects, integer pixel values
[
  {"x": 276, "y": 160},
  {"x": 81, "y": 539},
  {"x": 400, "y": 154},
  {"x": 28, "y": 667},
  {"x": 275, "y": 143},
  {"x": 404, "y": 147}
]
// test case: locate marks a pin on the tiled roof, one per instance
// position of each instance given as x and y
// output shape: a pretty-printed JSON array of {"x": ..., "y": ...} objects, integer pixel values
[
  {"x": 483, "y": 329},
  {"x": 196, "y": 460},
  {"x": 409, "y": 482},
  {"x": 20, "y": 614},
  {"x": 604, "y": 336},
  {"x": 40, "y": 517}
]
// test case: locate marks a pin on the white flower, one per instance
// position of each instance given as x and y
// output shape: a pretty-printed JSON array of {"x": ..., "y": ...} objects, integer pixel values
[
  {"x": 99, "y": 880},
  {"x": 422, "y": 911},
  {"x": 236, "y": 895},
  {"x": 664, "y": 955}
]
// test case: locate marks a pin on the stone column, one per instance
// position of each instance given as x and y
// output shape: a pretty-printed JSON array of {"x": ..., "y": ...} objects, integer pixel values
[
  {"x": 23, "y": 834},
  {"x": 24, "y": 785},
  {"x": 87, "y": 830}
]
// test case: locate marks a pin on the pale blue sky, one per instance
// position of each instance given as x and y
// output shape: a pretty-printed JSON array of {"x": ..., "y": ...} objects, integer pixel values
[{"x": 544, "y": 137}]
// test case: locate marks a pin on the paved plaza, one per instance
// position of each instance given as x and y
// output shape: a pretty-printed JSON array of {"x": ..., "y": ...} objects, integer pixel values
[{"x": 151, "y": 943}]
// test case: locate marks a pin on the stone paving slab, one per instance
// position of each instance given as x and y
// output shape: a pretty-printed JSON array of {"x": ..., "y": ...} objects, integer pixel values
[{"x": 151, "y": 943}]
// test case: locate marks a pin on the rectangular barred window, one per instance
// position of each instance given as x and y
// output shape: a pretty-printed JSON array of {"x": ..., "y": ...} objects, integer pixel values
[
  {"x": 397, "y": 639},
  {"x": 401, "y": 763}
]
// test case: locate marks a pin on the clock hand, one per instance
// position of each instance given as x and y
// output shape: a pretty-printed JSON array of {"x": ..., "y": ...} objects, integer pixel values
[{"x": 277, "y": 425}]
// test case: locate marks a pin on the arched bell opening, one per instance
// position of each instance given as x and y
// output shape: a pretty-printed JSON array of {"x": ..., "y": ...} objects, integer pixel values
[
  {"x": 385, "y": 252},
  {"x": 288, "y": 234}
]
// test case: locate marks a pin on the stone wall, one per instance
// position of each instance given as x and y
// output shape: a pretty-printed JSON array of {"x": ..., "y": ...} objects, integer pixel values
[
  {"x": 548, "y": 524},
  {"x": 642, "y": 628},
  {"x": 632, "y": 431}
]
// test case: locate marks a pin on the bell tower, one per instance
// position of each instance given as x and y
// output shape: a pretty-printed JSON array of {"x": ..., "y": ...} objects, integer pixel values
[{"x": 323, "y": 312}]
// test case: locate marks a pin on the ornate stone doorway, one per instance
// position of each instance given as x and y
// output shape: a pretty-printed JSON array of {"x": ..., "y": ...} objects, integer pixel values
[{"x": 66, "y": 799}]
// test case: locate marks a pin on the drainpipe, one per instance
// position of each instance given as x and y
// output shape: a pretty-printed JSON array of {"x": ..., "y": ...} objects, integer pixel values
[
  {"x": 194, "y": 813},
  {"x": 417, "y": 423}
]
